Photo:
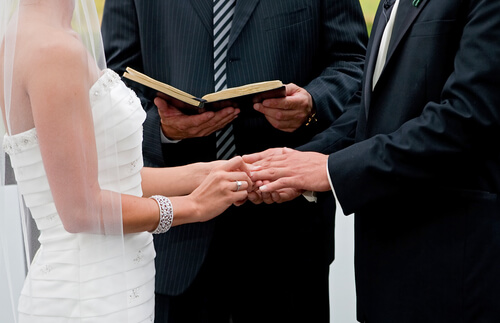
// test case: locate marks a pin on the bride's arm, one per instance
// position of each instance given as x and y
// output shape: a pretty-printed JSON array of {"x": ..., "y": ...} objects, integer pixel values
[
  {"x": 175, "y": 181},
  {"x": 215, "y": 192},
  {"x": 57, "y": 83}
]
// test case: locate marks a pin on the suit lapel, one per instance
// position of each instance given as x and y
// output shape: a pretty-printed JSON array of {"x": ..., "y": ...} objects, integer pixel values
[
  {"x": 371, "y": 57},
  {"x": 242, "y": 13},
  {"x": 204, "y": 9},
  {"x": 407, "y": 14}
]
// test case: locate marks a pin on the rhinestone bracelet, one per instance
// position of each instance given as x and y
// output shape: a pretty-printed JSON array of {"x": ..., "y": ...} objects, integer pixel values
[{"x": 166, "y": 214}]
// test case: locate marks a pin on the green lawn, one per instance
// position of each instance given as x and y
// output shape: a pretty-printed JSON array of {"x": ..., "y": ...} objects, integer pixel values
[
  {"x": 369, "y": 9},
  {"x": 100, "y": 6}
]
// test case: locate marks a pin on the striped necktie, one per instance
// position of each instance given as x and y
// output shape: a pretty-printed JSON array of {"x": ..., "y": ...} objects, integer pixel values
[{"x": 223, "y": 16}]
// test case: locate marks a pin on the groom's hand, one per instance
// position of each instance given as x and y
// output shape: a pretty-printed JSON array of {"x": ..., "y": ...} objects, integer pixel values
[
  {"x": 177, "y": 125},
  {"x": 288, "y": 168}
]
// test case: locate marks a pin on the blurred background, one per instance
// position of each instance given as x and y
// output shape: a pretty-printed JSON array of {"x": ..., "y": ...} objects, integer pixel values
[{"x": 369, "y": 9}]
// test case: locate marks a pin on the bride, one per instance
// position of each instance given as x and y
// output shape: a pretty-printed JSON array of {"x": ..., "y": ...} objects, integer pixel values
[{"x": 74, "y": 137}]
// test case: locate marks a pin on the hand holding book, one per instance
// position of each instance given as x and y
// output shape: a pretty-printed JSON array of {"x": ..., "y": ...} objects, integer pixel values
[
  {"x": 289, "y": 113},
  {"x": 285, "y": 107},
  {"x": 242, "y": 97},
  {"x": 176, "y": 125}
]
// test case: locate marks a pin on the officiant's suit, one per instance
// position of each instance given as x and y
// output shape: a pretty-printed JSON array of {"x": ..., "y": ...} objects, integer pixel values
[
  {"x": 423, "y": 177},
  {"x": 271, "y": 262}
]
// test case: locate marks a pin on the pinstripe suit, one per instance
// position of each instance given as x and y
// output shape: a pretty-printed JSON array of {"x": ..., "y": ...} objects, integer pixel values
[{"x": 319, "y": 45}]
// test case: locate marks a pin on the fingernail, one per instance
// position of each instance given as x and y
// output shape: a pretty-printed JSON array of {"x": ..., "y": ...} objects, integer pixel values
[
  {"x": 254, "y": 167},
  {"x": 263, "y": 188}
]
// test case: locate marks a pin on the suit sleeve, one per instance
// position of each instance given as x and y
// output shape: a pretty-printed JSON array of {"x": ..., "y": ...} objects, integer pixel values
[
  {"x": 123, "y": 49},
  {"x": 344, "y": 42},
  {"x": 445, "y": 145},
  {"x": 341, "y": 132}
]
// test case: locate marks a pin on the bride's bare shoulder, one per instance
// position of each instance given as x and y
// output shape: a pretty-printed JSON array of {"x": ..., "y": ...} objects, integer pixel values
[
  {"x": 55, "y": 53},
  {"x": 59, "y": 46}
]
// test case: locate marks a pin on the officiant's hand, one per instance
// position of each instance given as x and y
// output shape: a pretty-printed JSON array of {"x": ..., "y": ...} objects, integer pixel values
[
  {"x": 177, "y": 125},
  {"x": 288, "y": 113}
]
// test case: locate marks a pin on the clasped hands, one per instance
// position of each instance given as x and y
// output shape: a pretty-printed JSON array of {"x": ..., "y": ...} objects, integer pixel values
[
  {"x": 282, "y": 174},
  {"x": 278, "y": 175}
]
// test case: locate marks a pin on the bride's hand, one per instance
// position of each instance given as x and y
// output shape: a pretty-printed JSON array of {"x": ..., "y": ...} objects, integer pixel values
[
  {"x": 228, "y": 183},
  {"x": 200, "y": 171}
]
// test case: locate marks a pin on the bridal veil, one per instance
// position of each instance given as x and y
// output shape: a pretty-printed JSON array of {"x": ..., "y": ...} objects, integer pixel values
[{"x": 103, "y": 215}]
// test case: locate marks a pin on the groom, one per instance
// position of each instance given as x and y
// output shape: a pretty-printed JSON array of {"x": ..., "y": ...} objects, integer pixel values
[{"x": 423, "y": 176}]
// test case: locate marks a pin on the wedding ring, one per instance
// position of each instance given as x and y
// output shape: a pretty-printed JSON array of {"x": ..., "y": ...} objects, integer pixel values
[{"x": 238, "y": 185}]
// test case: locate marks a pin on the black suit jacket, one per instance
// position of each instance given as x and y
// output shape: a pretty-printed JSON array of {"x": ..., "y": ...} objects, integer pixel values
[
  {"x": 423, "y": 177},
  {"x": 318, "y": 45}
]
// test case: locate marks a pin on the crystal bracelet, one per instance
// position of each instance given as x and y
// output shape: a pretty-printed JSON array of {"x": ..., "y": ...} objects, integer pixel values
[{"x": 166, "y": 214}]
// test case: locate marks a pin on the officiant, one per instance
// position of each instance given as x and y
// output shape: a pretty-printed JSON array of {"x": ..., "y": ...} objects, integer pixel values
[{"x": 256, "y": 263}]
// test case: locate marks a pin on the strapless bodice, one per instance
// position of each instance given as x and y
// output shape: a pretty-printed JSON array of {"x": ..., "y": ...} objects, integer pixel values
[{"x": 68, "y": 278}]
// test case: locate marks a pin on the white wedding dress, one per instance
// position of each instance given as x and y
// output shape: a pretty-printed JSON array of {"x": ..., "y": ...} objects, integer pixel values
[{"x": 69, "y": 280}]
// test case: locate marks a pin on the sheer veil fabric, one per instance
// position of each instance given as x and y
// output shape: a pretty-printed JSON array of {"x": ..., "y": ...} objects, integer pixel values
[{"x": 76, "y": 206}]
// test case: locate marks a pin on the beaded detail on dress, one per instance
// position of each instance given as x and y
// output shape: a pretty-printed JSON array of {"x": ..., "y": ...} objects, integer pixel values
[
  {"x": 104, "y": 85},
  {"x": 20, "y": 142}
]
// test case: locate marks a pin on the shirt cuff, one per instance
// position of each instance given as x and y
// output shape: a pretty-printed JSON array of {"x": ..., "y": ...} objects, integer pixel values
[
  {"x": 339, "y": 207},
  {"x": 165, "y": 140},
  {"x": 310, "y": 196}
]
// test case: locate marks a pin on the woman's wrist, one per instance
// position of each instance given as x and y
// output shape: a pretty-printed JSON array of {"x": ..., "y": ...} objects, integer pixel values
[
  {"x": 186, "y": 210},
  {"x": 203, "y": 169}
]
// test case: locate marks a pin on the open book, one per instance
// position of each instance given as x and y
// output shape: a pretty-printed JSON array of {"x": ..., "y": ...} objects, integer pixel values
[{"x": 237, "y": 97}]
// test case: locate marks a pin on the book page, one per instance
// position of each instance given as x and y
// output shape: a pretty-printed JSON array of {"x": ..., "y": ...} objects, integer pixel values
[
  {"x": 143, "y": 79},
  {"x": 243, "y": 90}
]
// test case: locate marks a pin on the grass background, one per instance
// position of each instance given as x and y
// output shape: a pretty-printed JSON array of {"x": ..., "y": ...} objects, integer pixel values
[
  {"x": 100, "y": 5},
  {"x": 369, "y": 8}
]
